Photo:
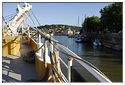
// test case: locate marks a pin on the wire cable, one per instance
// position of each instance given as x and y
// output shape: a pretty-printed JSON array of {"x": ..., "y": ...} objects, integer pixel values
[{"x": 35, "y": 17}]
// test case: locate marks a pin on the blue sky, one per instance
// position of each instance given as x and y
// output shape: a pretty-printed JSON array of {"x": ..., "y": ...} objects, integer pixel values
[{"x": 59, "y": 13}]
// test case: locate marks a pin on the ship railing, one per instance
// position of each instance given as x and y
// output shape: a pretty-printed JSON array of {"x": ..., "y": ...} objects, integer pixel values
[
  {"x": 71, "y": 56},
  {"x": 87, "y": 65}
]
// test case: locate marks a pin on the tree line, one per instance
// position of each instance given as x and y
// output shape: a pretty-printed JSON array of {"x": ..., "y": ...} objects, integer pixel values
[
  {"x": 111, "y": 20},
  {"x": 58, "y": 27}
]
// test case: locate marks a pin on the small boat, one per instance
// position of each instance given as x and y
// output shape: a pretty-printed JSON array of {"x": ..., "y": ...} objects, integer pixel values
[
  {"x": 78, "y": 39},
  {"x": 96, "y": 42}
]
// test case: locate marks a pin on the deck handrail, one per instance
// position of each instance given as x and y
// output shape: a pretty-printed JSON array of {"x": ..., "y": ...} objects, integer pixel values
[{"x": 87, "y": 65}]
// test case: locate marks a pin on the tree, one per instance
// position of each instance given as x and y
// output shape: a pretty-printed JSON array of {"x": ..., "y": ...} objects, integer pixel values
[
  {"x": 91, "y": 24},
  {"x": 111, "y": 17}
]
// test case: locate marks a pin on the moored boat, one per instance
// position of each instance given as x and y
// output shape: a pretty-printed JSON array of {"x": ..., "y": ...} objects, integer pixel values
[
  {"x": 96, "y": 42},
  {"x": 78, "y": 38}
]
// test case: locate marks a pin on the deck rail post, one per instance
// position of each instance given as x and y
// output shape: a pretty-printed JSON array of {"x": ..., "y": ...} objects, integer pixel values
[
  {"x": 70, "y": 59},
  {"x": 46, "y": 51},
  {"x": 52, "y": 58},
  {"x": 39, "y": 45},
  {"x": 51, "y": 44},
  {"x": 39, "y": 38}
]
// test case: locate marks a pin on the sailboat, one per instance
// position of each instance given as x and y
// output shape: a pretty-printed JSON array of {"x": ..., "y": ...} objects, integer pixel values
[{"x": 26, "y": 59}]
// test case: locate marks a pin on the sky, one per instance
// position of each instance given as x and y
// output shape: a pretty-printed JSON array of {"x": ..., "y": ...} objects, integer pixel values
[{"x": 59, "y": 13}]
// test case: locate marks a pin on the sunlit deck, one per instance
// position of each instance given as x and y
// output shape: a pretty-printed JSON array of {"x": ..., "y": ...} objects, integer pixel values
[{"x": 15, "y": 69}]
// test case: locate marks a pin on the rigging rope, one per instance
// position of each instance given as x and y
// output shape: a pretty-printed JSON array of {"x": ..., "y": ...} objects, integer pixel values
[
  {"x": 35, "y": 17},
  {"x": 8, "y": 28},
  {"x": 9, "y": 15},
  {"x": 40, "y": 30},
  {"x": 31, "y": 18},
  {"x": 12, "y": 18}
]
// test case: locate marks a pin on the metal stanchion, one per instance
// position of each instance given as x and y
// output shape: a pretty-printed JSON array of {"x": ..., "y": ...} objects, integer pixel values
[{"x": 69, "y": 68}]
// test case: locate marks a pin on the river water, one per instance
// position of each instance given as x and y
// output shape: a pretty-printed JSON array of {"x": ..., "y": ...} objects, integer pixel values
[{"x": 107, "y": 60}]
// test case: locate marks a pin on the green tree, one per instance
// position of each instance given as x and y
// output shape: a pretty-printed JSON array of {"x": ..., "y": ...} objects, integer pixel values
[
  {"x": 91, "y": 24},
  {"x": 111, "y": 17}
]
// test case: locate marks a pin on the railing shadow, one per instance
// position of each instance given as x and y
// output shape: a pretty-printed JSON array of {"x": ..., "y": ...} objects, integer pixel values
[{"x": 17, "y": 70}]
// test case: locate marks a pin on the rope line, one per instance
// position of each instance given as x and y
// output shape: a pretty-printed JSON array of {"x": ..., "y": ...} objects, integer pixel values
[
  {"x": 39, "y": 48},
  {"x": 31, "y": 18},
  {"x": 9, "y": 15},
  {"x": 35, "y": 17}
]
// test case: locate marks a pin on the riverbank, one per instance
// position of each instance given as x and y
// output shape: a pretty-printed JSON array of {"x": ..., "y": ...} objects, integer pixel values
[{"x": 110, "y": 40}]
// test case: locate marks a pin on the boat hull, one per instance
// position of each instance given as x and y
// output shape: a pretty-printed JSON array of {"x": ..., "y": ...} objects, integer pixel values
[{"x": 10, "y": 45}]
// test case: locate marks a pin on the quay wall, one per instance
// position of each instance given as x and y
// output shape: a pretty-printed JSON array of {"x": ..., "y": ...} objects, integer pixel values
[{"x": 110, "y": 40}]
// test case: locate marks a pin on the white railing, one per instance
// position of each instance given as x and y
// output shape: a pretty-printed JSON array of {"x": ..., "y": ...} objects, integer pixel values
[
  {"x": 92, "y": 69},
  {"x": 71, "y": 57}
]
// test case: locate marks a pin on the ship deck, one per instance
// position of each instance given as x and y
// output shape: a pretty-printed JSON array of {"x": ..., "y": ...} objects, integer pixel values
[{"x": 15, "y": 69}]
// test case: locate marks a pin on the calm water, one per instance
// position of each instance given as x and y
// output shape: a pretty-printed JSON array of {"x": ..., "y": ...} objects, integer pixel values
[{"x": 107, "y": 60}]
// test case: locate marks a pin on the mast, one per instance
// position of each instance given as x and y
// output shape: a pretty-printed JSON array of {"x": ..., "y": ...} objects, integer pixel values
[
  {"x": 78, "y": 21},
  {"x": 85, "y": 22}
]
